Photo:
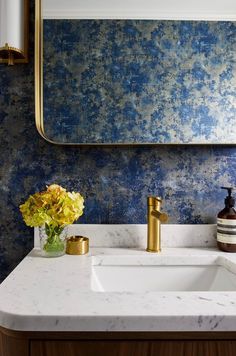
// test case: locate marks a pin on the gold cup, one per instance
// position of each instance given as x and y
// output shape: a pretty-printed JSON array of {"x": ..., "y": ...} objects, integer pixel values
[{"x": 77, "y": 245}]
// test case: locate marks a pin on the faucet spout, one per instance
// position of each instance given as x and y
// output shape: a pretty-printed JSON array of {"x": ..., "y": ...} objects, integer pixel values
[{"x": 154, "y": 218}]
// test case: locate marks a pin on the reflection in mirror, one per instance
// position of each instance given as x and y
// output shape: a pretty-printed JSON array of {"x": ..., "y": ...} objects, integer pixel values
[{"x": 139, "y": 81}]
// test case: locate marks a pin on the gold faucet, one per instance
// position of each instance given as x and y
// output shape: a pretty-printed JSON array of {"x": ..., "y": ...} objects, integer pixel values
[{"x": 154, "y": 218}]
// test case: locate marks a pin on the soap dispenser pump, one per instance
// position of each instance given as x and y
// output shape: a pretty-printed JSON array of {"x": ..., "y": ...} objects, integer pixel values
[{"x": 226, "y": 224}]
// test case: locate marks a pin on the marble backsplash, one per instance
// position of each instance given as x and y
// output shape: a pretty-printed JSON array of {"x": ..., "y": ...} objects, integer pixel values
[
  {"x": 134, "y": 236},
  {"x": 114, "y": 181}
]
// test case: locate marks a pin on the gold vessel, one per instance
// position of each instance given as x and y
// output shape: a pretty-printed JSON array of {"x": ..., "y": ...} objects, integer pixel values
[{"x": 77, "y": 245}]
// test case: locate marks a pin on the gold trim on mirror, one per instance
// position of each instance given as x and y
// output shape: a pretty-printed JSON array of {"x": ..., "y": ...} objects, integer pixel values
[
  {"x": 39, "y": 119},
  {"x": 38, "y": 72}
]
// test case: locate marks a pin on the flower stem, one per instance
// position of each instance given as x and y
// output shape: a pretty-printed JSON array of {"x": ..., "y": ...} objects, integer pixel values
[{"x": 54, "y": 242}]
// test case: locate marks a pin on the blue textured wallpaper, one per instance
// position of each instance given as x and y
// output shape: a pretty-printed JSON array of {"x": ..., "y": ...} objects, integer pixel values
[
  {"x": 140, "y": 81},
  {"x": 114, "y": 181}
]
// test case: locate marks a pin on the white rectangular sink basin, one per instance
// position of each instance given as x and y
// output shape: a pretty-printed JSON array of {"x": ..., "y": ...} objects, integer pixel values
[{"x": 157, "y": 274}]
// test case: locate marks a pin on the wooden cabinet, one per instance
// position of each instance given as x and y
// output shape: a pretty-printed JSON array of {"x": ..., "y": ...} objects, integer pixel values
[
  {"x": 117, "y": 343},
  {"x": 134, "y": 348},
  {"x": 193, "y": 348},
  {"x": 89, "y": 348}
]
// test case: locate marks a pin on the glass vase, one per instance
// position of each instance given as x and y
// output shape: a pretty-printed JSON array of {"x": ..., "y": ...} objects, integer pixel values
[{"x": 53, "y": 240}]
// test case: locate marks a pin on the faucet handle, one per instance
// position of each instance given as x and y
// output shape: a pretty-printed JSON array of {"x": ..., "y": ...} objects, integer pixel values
[
  {"x": 153, "y": 200},
  {"x": 163, "y": 217},
  {"x": 155, "y": 203}
]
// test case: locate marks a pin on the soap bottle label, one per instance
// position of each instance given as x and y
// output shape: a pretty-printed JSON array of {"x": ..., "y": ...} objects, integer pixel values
[{"x": 226, "y": 231}]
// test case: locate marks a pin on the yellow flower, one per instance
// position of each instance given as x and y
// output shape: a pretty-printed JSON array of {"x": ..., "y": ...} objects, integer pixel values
[{"x": 54, "y": 207}]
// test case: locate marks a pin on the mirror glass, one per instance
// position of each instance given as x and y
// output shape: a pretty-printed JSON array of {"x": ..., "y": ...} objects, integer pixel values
[{"x": 132, "y": 80}]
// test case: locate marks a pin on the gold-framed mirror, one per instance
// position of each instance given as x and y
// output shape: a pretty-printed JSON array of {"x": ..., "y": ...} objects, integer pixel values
[{"x": 140, "y": 81}]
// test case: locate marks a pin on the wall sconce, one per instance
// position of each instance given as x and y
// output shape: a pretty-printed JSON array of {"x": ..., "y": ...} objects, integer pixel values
[{"x": 14, "y": 31}]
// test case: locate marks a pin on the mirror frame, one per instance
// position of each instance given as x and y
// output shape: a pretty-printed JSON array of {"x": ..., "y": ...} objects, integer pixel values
[{"x": 39, "y": 118}]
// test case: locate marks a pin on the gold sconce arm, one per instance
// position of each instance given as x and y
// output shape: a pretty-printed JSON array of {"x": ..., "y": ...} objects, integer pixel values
[{"x": 10, "y": 55}]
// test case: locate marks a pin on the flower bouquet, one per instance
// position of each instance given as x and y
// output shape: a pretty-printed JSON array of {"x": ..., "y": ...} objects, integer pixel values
[{"x": 52, "y": 210}]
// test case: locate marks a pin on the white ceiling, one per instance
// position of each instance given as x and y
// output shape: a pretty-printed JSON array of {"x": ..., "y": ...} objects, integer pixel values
[{"x": 140, "y": 9}]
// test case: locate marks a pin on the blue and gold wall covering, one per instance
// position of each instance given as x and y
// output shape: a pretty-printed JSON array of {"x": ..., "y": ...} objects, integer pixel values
[
  {"x": 140, "y": 81},
  {"x": 114, "y": 181}
]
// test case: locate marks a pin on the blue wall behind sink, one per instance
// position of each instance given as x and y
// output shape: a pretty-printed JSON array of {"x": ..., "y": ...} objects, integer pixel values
[{"x": 114, "y": 181}]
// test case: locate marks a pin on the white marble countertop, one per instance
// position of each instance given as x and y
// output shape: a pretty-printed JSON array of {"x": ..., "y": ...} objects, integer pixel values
[{"x": 55, "y": 294}]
